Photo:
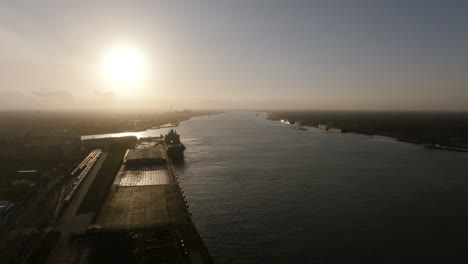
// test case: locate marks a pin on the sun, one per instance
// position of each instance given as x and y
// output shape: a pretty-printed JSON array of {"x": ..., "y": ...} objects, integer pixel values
[{"x": 124, "y": 65}]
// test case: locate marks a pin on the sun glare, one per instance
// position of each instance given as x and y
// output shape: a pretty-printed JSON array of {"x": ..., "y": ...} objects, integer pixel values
[{"x": 124, "y": 66}]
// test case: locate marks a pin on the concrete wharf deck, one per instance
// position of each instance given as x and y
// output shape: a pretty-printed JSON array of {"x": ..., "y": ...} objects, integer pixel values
[{"x": 152, "y": 216}]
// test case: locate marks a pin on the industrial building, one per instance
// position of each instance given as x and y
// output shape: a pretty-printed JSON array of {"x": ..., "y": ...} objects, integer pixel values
[
  {"x": 334, "y": 129},
  {"x": 144, "y": 156},
  {"x": 323, "y": 126}
]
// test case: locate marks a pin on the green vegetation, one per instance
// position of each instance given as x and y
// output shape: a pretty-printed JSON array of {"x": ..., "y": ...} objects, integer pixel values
[
  {"x": 40, "y": 254},
  {"x": 30, "y": 249},
  {"x": 20, "y": 194},
  {"x": 446, "y": 128},
  {"x": 98, "y": 190}
]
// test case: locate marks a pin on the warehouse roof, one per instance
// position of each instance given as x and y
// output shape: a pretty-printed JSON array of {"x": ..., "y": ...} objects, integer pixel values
[{"x": 144, "y": 154}]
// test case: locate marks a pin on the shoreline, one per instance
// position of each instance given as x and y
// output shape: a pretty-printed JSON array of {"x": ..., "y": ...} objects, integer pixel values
[
  {"x": 425, "y": 129},
  {"x": 172, "y": 123},
  {"x": 136, "y": 130}
]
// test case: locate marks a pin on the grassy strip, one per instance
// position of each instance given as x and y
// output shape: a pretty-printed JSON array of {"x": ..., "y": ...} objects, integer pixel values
[{"x": 98, "y": 190}]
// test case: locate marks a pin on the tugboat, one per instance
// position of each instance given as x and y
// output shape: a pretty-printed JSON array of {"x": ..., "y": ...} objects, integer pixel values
[{"x": 175, "y": 149}]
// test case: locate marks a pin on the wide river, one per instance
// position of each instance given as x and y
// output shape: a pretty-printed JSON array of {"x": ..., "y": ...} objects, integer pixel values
[{"x": 264, "y": 192}]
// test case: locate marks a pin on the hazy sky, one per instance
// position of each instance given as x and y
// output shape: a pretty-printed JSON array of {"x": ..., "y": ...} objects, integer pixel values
[{"x": 237, "y": 54}]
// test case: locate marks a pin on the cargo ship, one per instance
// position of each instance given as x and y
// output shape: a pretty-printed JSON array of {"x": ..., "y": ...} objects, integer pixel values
[{"x": 175, "y": 149}]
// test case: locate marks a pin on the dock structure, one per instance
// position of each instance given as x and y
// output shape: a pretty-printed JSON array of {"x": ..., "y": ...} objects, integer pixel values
[
  {"x": 84, "y": 167},
  {"x": 143, "y": 156},
  {"x": 145, "y": 215}
]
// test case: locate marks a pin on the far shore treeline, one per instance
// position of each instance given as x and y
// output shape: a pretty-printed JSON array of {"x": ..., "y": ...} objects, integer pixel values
[{"x": 445, "y": 128}]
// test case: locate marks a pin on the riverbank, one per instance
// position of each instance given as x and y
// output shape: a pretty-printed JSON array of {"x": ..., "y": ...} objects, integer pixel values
[
  {"x": 171, "y": 119},
  {"x": 443, "y": 128},
  {"x": 17, "y": 125}
]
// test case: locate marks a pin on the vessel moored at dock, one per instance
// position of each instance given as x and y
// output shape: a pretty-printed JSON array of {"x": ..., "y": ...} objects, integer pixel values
[{"x": 175, "y": 149}]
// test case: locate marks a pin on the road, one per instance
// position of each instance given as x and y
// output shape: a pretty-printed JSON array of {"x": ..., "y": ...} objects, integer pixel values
[{"x": 64, "y": 251}]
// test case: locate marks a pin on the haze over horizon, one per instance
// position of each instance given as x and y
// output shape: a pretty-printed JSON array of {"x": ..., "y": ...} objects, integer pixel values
[{"x": 332, "y": 55}]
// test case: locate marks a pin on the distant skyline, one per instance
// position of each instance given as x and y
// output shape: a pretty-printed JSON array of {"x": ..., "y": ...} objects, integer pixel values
[{"x": 271, "y": 54}]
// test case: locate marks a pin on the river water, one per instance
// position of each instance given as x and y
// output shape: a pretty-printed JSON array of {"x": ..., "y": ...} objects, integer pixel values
[{"x": 264, "y": 192}]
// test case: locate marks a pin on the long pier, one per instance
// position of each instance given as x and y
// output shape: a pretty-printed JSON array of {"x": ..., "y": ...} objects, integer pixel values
[{"x": 146, "y": 217}]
